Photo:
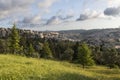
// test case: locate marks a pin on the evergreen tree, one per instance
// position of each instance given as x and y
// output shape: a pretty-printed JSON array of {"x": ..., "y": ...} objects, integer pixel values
[
  {"x": 31, "y": 50},
  {"x": 68, "y": 54},
  {"x": 75, "y": 48},
  {"x": 110, "y": 57},
  {"x": 14, "y": 40},
  {"x": 84, "y": 55},
  {"x": 4, "y": 48},
  {"x": 23, "y": 44},
  {"x": 98, "y": 55},
  {"x": 46, "y": 52}
]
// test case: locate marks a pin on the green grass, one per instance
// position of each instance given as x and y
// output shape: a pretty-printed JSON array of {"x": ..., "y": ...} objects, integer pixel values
[{"x": 21, "y": 68}]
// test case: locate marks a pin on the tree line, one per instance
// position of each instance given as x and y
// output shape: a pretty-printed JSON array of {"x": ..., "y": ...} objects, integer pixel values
[{"x": 76, "y": 52}]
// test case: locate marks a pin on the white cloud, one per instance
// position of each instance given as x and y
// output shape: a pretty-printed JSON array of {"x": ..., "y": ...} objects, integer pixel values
[
  {"x": 60, "y": 17},
  {"x": 113, "y": 3},
  {"x": 70, "y": 13},
  {"x": 46, "y": 4},
  {"x": 9, "y": 7},
  {"x": 30, "y": 20},
  {"x": 89, "y": 14},
  {"x": 36, "y": 19},
  {"x": 54, "y": 20}
]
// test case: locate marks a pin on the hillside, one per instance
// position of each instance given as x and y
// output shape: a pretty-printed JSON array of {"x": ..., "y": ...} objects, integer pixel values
[
  {"x": 110, "y": 37},
  {"x": 22, "y": 68}
]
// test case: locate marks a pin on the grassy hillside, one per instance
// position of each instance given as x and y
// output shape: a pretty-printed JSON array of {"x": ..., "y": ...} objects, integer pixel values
[{"x": 21, "y": 68}]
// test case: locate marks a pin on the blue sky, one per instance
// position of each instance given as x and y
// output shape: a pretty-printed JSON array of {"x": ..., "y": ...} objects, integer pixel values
[{"x": 60, "y": 14}]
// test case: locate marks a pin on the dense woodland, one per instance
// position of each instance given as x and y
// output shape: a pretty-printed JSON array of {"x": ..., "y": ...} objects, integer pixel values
[{"x": 76, "y": 52}]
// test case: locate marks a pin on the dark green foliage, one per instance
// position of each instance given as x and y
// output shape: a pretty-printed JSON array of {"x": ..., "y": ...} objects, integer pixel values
[
  {"x": 118, "y": 60},
  {"x": 14, "y": 40},
  {"x": 110, "y": 57},
  {"x": 52, "y": 45},
  {"x": 98, "y": 55},
  {"x": 84, "y": 55},
  {"x": 46, "y": 52},
  {"x": 75, "y": 48},
  {"x": 4, "y": 47},
  {"x": 68, "y": 54},
  {"x": 79, "y": 52},
  {"x": 30, "y": 50},
  {"x": 59, "y": 48}
]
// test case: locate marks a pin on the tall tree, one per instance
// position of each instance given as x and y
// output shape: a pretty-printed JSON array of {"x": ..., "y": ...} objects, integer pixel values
[
  {"x": 31, "y": 50},
  {"x": 4, "y": 48},
  {"x": 110, "y": 57},
  {"x": 75, "y": 48},
  {"x": 68, "y": 54},
  {"x": 14, "y": 40},
  {"x": 46, "y": 52},
  {"x": 98, "y": 55},
  {"x": 84, "y": 55}
]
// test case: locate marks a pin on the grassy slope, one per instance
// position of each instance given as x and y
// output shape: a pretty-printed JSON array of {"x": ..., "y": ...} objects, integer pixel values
[{"x": 21, "y": 68}]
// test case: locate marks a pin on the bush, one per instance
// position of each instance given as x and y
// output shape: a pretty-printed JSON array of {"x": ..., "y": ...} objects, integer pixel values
[
  {"x": 113, "y": 66},
  {"x": 68, "y": 54}
]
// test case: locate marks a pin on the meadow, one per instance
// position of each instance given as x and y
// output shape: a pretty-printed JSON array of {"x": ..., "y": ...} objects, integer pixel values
[{"x": 13, "y": 67}]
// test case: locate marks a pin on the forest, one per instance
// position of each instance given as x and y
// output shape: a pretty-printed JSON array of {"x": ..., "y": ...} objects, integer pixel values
[{"x": 74, "y": 52}]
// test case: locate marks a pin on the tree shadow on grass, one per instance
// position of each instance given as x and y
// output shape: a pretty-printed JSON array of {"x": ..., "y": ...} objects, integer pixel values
[
  {"x": 70, "y": 76},
  {"x": 74, "y": 76},
  {"x": 108, "y": 72},
  {"x": 63, "y": 76}
]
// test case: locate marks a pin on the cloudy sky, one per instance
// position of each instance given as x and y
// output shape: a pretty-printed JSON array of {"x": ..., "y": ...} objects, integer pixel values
[{"x": 60, "y": 14}]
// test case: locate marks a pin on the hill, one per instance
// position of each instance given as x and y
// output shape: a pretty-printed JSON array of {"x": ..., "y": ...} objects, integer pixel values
[
  {"x": 110, "y": 37},
  {"x": 21, "y": 68}
]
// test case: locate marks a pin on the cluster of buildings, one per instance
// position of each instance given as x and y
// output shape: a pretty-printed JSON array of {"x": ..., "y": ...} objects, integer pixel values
[
  {"x": 5, "y": 32},
  {"x": 45, "y": 34}
]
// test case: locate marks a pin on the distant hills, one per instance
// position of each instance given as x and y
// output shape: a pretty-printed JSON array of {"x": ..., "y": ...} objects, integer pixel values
[
  {"x": 95, "y": 36},
  {"x": 110, "y": 37}
]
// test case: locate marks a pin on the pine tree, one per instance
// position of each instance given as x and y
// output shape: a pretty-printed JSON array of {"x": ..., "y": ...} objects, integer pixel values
[
  {"x": 14, "y": 40},
  {"x": 75, "y": 48},
  {"x": 46, "y": 52},
  {"x": 4, "y": 46},
  {"x": 68, "y": 54},
  {"x": 31, "y": 50},
  {"x": 110, "y": 57},
  {"x": 84, "y": 55}
]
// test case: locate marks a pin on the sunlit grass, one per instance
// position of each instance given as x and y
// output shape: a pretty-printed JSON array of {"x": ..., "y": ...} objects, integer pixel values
[{"x": 21, "y": 68}]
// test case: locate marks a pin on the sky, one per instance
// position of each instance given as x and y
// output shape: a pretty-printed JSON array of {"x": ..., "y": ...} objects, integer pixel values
[{"x": 60, "y": 14}]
